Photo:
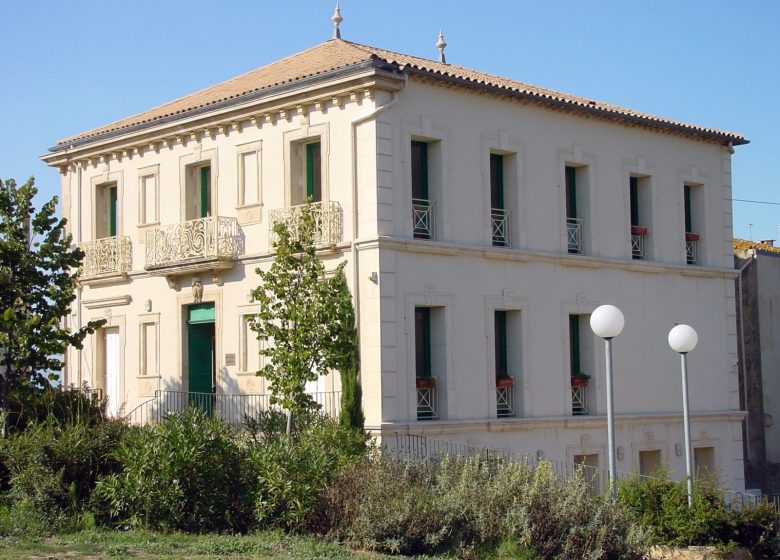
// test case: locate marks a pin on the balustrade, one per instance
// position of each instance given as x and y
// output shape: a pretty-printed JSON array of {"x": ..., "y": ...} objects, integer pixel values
[
  {"x": 327, "y": 218},
  {"x": 193, "y": 241},
  {"x": 105, "y": 257}
]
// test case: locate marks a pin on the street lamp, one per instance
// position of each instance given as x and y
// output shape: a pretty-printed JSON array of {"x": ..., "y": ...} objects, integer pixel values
[
  {"x": 683, "y": 339},
  {"x": 607, "y": 322}
]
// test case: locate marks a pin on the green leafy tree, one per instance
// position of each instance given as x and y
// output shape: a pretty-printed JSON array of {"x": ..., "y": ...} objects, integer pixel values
[
  {"x": 38, "y": 274},
  {"x": 305, "y": 323}
]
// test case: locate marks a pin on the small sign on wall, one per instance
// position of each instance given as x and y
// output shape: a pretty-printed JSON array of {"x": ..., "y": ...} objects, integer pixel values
[{"x": 230, "y": 359}]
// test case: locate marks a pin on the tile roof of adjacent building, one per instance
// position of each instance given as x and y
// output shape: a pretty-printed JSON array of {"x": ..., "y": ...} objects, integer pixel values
[
  {"x": 337, "y": 54},
  {"x": 763, "y": 246}
]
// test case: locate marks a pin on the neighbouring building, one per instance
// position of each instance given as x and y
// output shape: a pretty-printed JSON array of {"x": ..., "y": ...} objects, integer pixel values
[
  {"x": 482, "y": 221},
  {"x": 758, "y": 293}
]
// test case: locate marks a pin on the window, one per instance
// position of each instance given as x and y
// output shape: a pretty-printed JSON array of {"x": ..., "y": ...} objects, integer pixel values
[
  {"x": 249, "y": 355},
  {"x": 249, "y": 178},
  {"x": 640, "y": 207},
  {"x": 147, "y": 189},
  {"x": 499, "y": 215},
  {"x": 704, "y": 461},
  {"x": 649, "y": 462},
  {"x": 306, "y": 176},
  {"x": 199, "y": 201},
  {"x": 106, "y": 211},
  {"x": 422, "y": 206},
  {"x": 429, "y": 361},
  {"x": 588, "y": 465},
  {"x": 576, "y": 198},
  {"x": 422, "y": 341},
  {"x": 693, "y": 208},
  {"x": 506, "y": 329},
  {"x": 581, "y": 363}
]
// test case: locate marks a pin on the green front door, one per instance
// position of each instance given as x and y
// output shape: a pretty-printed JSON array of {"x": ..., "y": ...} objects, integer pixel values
[{"x": 200, "y": 353}]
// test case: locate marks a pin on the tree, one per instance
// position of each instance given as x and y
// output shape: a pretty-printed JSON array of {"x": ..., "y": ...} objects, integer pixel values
[
  {"x": 38, "y": 275},
  {"x": 305, "y": 324}
]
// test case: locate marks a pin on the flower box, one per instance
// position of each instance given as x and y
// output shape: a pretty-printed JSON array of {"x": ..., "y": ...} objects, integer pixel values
[
  {"x": 690, "y": 236},
  {"x": 579, "y": 382},
  {"x": 425, "y": 382},
  {"x": 638, "y": 230},
  {"x": 505, "y": 382}
]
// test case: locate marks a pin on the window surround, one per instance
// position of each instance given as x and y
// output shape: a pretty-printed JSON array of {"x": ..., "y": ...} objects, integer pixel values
[
  {"x": 144, "y": 371},
  {"x": 513, "y": 151},
  {"x": 575, "y": 157},
  {"x": 517, "y": 304},
  {"x": 293, "y": 140},
  {"x": 252, "y": 212},
  {"x": 692, "y": 177},
  {"x": 100, "y": 181},
  {"x": 196, "y": 159},
  {"x": 245, "y": 336},
  {"x": 143, "y": 223},
  {"x": 596, "y": 406},
  {"x": 647, "y": 173}
]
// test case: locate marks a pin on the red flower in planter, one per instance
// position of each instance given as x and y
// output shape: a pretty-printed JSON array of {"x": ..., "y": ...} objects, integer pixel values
[{"x": 425, "y": 382}]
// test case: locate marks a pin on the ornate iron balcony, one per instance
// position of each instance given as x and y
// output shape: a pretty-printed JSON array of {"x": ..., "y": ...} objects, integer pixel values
[
  {"x": 106, "y": 257},
  {"x": 327, "y": 221},
  {"x": 574, "y": 235},
  {"x": 427, "y": 402},
  {"x": 579, "y": 400},
  {"x": 215, "y": 238},
  {"x": 499, "y": 225},
  {"x": 422, "y": 218}
]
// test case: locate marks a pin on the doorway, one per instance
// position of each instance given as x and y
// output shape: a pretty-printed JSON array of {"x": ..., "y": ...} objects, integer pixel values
[
  {"x": 201, "y": 358},
  {"x": 108, "y": 368}
]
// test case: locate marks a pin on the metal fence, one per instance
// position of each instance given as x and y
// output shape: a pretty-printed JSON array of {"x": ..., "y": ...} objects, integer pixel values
[{"x": 232, "y": 408}]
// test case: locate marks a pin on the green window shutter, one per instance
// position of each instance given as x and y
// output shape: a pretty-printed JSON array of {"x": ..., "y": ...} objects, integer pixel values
[
  {"x": 571, "y": 192},
  {"x": 112, "y": 211},
  {"x": 502, "y": 366},
  {"x": 688, "y": 215},
  {"x": 574, "y": 343},
  {"x": 633, "y": 186},
  {"x": 314, "y": 172},
  {"x": 419, "y": 170},
  {"x": 422, "y": 335},
  {"x": 205, "y": 191},
  {"x": 497, "y": 181}
]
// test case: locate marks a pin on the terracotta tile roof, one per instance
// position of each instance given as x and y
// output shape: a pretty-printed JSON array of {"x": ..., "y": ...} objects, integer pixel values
[
  {"x": 334, "y": 54},
  {"x": 744, "y": 244}
]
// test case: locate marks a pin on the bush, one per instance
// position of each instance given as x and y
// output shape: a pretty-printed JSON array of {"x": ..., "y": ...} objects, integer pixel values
[
  {"x": 465, "y": 505},
  {"x": 66, "y": 406},
  {"x": 52, "y": 470},
  {"x": 188, "y": 473},
  {"x": 291, "y": 472},
  {"x": 662, "y": 506}
]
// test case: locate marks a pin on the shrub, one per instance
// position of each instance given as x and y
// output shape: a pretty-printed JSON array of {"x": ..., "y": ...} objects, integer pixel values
[
  {"x": 662, "y": 506},
  {"x": 69, "y": 406},
  {"x": 52, "y": 472},
  {"x": 188, "y": 473},
  {"x": 466, "y": 504},
  {"x": 290, "y": 472}
]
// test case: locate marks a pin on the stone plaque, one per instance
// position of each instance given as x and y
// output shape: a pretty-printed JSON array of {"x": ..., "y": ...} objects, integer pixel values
[{"x": 230, "y": 359}]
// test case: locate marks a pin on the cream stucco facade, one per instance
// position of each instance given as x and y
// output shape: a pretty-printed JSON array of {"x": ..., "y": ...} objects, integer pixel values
[{"x": 458, "y": 257}]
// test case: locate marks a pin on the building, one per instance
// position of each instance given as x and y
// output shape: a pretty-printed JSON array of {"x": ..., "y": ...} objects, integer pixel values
[
  {"x": 758, "y": 293},
  {"x": 482, "y": 220}
]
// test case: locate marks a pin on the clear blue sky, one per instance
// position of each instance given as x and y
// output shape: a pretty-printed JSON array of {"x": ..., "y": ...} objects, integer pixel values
[{"x": 71, "y": 66}]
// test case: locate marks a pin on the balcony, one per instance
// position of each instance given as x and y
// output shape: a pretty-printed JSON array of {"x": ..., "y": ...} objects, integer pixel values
[
  {"x": 106, "y": 257},
  {"x": 574, "y": 235},
  {"x": 422, "y": 218},
  {"x": 211, "y": 243},
  {"x": 499, "y": 226},
  {"x": 579, "y": 400},
  {"x": 327, "y": 221},
  {"x": 427, "y": 402},
  {"x": 692, "y": 248},
  {"x": 505, "y": 397},
  {"x": 638, "y": 236}
]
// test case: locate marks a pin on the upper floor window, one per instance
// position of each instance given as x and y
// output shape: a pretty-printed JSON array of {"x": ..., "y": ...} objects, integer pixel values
[
  {"x": 147, "y": 190},
  {"x": 640, "y": 207},
  {"x": 306, "y": 171},
  {"x": 499, "y": 215},
  {"x": 576, "y": 197},
  {"x": 692, "y": 207},
  {"x": 198, "y": 192},
  {"x": 106, "y": 211},
  {"x": 422, "y": 205}
]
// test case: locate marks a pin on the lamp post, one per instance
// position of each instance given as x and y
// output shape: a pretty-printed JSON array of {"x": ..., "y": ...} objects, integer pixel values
[
  {"x": 682, "y": 340},
  {"x": 607, "y": 322}
]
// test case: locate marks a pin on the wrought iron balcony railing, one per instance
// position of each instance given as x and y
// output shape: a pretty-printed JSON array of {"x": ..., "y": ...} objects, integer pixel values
[
  {"x": 499, "y": 226},
  {"x": 427, "y": 402},
  {"x": 327, "y": 221},
  {"x": 638, "y": 234},
  {"x": 215, "y": 238},
  {"x": 106, "y": 257},
  {"x": 422, "y": 218},
  {"x": 574, "y": 235},
  {"x": 579, "y": 400},
  {"x": 692, "y": 248},
  {"x": 505, "y": 397}
]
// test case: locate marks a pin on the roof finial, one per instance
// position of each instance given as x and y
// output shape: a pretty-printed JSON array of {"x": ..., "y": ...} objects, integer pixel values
[
  {"x": 336, "y": 19},
  {"x": 441, "y": 44}
]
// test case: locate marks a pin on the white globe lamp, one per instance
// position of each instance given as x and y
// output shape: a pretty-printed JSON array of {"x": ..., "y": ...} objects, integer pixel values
[
  {"x": 607, "y": 321},
  {"x": 683, "y": 339}
]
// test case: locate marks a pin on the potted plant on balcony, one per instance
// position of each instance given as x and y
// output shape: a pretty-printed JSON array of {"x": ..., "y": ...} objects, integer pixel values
[
  {"x": 579, "y": 379},
  {"x": 691, "y": 236},
  {"x": 425, "y": 382},
  {"x": 638, "y": 230},
  {"x": 503, "y": 379}
]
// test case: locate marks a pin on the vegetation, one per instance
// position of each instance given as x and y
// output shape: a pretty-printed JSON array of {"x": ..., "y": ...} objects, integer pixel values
[
  {"x": 304, "y": 325},
  {"x": 38, "y": 270}
]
